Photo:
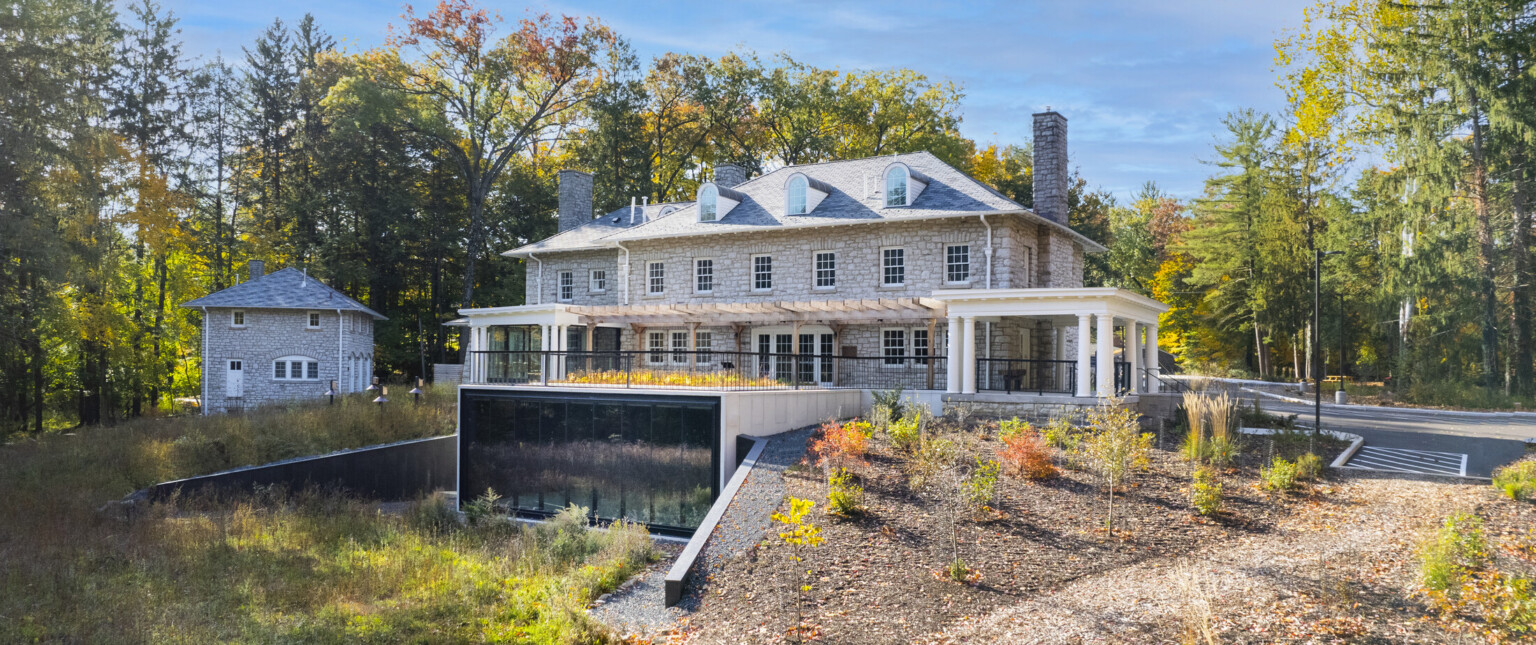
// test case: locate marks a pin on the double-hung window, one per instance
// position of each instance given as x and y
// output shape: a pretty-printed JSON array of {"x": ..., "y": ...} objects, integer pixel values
[
  {"x": 567, "y": 286},
  {"x": 703, "y": 276},
  {"x": 893, "y": 346},
  {"x": 893, "y": 267},
  {"x": 312, "y": 321},
  {"x": 704, "y": 343},
  {"x": 597, "y": 281},
  {"x": 237, "y": 319},
  {"x": 762, "y": 273},
  {"x": 655, "y": 342},
  {"x": 826, "y": 270},
  {"x": 957, "y": 263},
  {"x": 657, "y": 273},
  {"x": 921, "y": 347},
  {"x": 679, "y": 347}
]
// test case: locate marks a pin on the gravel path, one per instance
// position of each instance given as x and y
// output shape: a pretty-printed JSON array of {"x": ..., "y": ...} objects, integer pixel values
[
  {"x": 638, "y": 607},
  {"x": 1260, "y": 588}
]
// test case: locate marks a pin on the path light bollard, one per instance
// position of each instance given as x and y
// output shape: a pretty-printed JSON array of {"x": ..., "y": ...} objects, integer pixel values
[
  {"x": 373, "y": 386},
  {"x": 383, "y": 398},
  {"x": 332, "y": 393},
  {"x": 416, "y": 391}
]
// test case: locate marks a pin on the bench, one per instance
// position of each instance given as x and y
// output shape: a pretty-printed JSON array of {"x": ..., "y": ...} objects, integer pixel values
[{"x": 1014, "y": 380}]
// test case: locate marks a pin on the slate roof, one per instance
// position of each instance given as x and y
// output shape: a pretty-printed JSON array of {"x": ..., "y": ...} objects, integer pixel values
[
  {"x": 590, "y": 234},
  {"x": 857, "y": 198},
  {"x": 284, "y": 289}
]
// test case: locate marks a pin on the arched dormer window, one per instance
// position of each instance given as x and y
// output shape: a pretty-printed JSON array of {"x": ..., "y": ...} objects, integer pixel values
[
  {"x": 795, "y": 203},
  {"x": 709, "y": 203},
  {"x": 903, "y": 185},
  {"x": 896, "y": 186}
]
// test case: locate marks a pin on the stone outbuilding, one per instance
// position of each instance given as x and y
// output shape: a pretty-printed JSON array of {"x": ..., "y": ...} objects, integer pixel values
[{"x": 282, "y": 337}]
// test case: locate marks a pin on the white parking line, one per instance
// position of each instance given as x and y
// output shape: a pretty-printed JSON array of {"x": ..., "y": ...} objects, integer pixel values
[{"x": 1417, "y": 462}]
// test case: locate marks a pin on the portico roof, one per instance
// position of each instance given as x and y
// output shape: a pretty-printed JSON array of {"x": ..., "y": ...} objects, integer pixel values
[
  {"x": 1109, "y": 301},
  {"x": 860, "y": 310}
]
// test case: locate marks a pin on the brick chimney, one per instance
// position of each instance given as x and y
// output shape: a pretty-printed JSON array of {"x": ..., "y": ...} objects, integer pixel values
[
  {"x": 729, "y": 175},
  {"x": 257, "y": 269},
  {"x": 575, "y": 199},
  {"x": 1051, "y": 174}
]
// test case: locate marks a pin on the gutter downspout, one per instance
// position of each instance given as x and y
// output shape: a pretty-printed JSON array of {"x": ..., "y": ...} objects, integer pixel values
[
  {"x": 625, "y": 271},
  {"x": 539, "y": 284},
  {"x": 989, "y": 252},
  {"x": 204, "y": 403},
  {"x": 340, "y": 347}
]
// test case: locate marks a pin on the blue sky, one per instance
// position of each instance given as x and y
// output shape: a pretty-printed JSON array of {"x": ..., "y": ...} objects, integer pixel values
[{"x": 1144, "y": 85}]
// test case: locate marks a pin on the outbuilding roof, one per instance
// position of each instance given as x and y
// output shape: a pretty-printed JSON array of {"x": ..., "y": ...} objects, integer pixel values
[
  {"x": 288, "y": 288},
  {"x": 857, "y": 197}
]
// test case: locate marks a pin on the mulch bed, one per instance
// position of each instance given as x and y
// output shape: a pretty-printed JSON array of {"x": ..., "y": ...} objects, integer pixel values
[{"x": 880, "y": 577}]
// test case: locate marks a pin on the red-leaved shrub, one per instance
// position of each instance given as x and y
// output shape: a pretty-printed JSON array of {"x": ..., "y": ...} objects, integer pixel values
[
  {"x": 1027, "y": 455},
  {"x": 840, "y": 445}
]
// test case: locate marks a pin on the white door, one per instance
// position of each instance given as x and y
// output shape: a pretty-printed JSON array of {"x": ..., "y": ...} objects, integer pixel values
[{"x": 234, "y": 380}]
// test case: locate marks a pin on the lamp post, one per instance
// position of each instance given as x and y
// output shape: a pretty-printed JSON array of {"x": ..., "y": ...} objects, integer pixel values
[
  {"x": 1317, "y": 348},
  {"x": 416, "y": 391},
  {"x": 332, "y": 392},
  {"x": 382, "y": 398}
]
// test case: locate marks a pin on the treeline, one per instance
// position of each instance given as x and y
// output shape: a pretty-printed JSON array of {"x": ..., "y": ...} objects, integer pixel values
[{"x": 134, "y": 177}]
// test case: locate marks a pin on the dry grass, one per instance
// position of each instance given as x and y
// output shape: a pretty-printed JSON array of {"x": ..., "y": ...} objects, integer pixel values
[{"x": 277, "y": 567}]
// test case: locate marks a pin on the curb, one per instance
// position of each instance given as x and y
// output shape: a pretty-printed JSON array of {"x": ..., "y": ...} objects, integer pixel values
[
  {"x": 1431, "y": 411},
  {"x": 685, "y": 560},
  {"x": 1355, "y": 441}
]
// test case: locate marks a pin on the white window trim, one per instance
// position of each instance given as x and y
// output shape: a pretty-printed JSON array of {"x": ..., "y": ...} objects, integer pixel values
[
  {"x": 592, "y": 281},
  {"x": 896, "y": 285},
  {"x": 237, "y": 325},
  {"x": 303, "y": 360},
  {"x": 655, "y": 355},
  {"x": 752, "y": 273},
  {"x": 672, "y": 350},
  {"x": 885, "y": 187},
  {"x": 906, "y": 347},
  {"x": 970, "y": 266},
  {"x": 560, "y": 286},
  {"x": 649, "y": 291},
  {"x": 712, "y": 276},
  {"x": 814, "y": 286},
  {"x": 308, "y": 315}
]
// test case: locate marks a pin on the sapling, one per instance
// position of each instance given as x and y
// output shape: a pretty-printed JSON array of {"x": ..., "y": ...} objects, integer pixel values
[
  {"x": 1113, "y": 446},
  {"x": 800, "y": 535}
]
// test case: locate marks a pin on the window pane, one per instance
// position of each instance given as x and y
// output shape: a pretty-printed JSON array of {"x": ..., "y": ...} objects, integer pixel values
[
  {"x": 826, "y": 270},
  {"x": 957, "y": 263},
  {"x": 704, "y": 274},
  {"x": 762, "y": 272},
  {"x": 280, "y": 369},
  {"x": 896, "y": 187},
  {"x": 894, "y": 263},
  {"x": 708, "y": 198},
  {"x": 797, "y": 196},
  {"x": 704, "y": 342},
  {"x": 655, "y": 342},
  {"x": 314, "y": 371},
  {"x": 894, "y": 346},
  {"x": 658, "y": 275},
  {"x": 679, "y": 347}
]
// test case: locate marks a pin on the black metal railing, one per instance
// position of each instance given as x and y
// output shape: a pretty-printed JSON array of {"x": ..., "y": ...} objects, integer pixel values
[
  {"x": 1022, "y": 375},
  {"x": 704, "y": 369}
]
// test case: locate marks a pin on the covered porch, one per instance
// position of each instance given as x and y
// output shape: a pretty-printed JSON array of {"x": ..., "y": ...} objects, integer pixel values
[{"x": 1065, "y": 341}]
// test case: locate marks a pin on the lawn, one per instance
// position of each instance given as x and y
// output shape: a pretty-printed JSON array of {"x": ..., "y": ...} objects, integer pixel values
[{"x": 279, "y": 566}]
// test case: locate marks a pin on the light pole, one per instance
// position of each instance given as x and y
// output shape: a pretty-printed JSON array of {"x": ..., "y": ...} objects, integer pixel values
[{"x": 1317, "y": 348}]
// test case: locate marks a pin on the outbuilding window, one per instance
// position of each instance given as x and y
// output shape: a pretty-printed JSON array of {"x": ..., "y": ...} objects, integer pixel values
[
  {"x": 237, "y": 318},
  {"x": 313, "y": 320},
  {"x": 295, "y": 368}
]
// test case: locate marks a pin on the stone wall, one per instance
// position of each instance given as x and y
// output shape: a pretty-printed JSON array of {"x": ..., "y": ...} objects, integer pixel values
[
  {"x": 1025, "y": 255},
  {"x": 270, "y": 334}
]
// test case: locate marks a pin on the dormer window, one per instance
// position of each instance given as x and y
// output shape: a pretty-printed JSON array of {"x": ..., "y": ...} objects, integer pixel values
[
  {"x": 716, "y": 202},
  {"x": 796, "y": 199},
  {"x": 709, "y": 203},
  {"x": 903, "y": 185},
  {"x": 896, "y": 186}
]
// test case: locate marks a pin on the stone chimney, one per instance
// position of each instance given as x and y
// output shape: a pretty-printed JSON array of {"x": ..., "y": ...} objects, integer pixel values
[
  {"x": 575, "y": 199},
  {"x": 257, "y": 269},
  {"x": 729, "y": 175},
  {"x": 1051, "y": 174}
]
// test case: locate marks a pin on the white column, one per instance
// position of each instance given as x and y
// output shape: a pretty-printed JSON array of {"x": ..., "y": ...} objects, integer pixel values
[
  {"x": 956, "y": 358},
  {"x": 1084, "y": 336},
  {"x": 1154, "y": 366},
  {"x": 1133, "y": 349},
  {"x": 557, "y": 364},
  {"x": 1106, "y": 384},
  {"x": 968, "y": 356}
]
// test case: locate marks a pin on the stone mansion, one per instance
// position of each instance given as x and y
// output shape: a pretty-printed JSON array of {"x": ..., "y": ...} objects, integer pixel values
[{"x": 894, "y": 271}]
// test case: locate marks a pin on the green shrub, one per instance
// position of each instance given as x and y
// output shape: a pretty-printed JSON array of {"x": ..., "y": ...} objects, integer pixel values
[
  {"x": 958, "y": 571},
  {"x": 1011, "y": 428},
  {"x": 482, "y": 508},
  {"x": 905, "y": 433},
  {"x": 932, "y": 456},
  {"x": 1222, "y": 451},
  {"x": 1456, "y": 548},
  {"x": 1309, "y": 467},
  {"x": 1206, "y": 492},
  {"x": 1195, "y": 448},
  {"x": 1279, "y": 476},
  {"x": 844, "y": 497},
  {"x": 981, "y": 484},
  {"x": 1060, "y": 432},
  {"x": 1517, "y": 481},
  {"x": 890, "y": 401}
]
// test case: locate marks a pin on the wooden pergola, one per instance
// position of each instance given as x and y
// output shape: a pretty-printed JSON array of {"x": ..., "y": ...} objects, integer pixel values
[{"x": 739, "y": 315}]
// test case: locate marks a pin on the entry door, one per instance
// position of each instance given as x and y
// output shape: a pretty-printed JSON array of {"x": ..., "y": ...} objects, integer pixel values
[{"x": 234, "y": 380}]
